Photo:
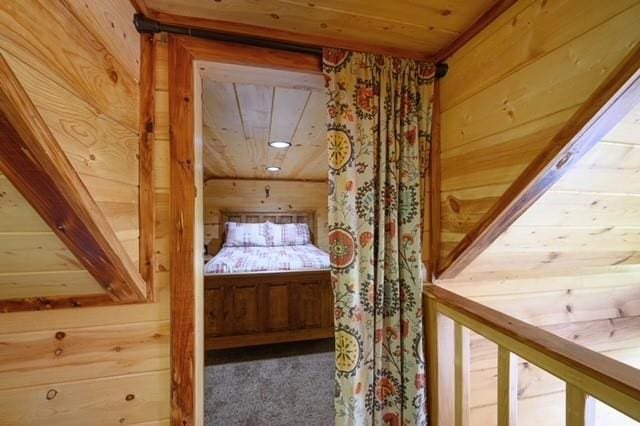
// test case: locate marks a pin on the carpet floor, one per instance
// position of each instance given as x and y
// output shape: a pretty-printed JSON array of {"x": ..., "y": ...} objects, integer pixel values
[{"x": 276, "y": 385}]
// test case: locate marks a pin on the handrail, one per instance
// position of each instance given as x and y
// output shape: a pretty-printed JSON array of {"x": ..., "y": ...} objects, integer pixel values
[{"x": 586, "y": 373}]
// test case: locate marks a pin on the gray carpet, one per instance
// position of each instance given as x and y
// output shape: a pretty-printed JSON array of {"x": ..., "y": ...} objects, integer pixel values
[{"x": 277, "y": 385}]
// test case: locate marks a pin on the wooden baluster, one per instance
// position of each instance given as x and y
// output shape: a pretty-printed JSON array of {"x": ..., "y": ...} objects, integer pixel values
[
  {"x": 580, "y": 407},
  {"x": 462, "y": 371},
  {"x": 507, "y": 388},
  {"x": 440, "y": 364}
]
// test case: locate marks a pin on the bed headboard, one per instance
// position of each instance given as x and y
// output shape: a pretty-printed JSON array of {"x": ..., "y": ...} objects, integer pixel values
[{"x": 308, "y": 217}]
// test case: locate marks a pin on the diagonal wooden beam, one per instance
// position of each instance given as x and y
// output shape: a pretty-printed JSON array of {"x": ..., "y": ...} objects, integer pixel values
[
  {"x": 34, "y": 162},
  {"x": 613, "y": 100}
]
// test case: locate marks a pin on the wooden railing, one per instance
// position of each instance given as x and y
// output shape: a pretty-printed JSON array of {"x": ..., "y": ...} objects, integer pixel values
[{"x": 587, "y": 374}]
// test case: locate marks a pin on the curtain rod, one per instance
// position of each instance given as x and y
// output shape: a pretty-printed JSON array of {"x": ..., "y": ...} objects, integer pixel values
[{"x": 147, "y": 25}]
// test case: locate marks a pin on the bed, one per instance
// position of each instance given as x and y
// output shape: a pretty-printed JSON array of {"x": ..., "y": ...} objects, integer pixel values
[{"x": 267, "y": 283}]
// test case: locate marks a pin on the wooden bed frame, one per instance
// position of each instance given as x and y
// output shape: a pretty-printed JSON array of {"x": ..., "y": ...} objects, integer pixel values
[{"x": 256, "y": 308}]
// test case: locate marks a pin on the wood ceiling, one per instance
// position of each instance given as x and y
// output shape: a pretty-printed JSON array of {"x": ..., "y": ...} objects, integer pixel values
[
  {"x": 245, "y": 108},
  {"x": 411, "y": 28},
  {"x": 590, "y": 218}
]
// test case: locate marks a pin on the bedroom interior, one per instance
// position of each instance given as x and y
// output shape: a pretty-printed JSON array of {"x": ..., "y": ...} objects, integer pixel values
[
  {"x": 469, "y": 171},
  {"x": 266, "y": 272}
]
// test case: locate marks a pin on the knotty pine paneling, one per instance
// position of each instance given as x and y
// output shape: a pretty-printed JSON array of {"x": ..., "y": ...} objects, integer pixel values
[
  {"x": 403, "y": 28},
  {"x": 86, "y": 90},
  {"x": 512, "y": 87},
  {"x": 99, "y": 365},
  {"x": 247, "y": 195}
]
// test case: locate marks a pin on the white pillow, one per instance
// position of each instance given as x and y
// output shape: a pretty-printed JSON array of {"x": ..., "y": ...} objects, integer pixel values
[
  {"x": 288, "y": 234},
  {"x": 246, "y": 234}
]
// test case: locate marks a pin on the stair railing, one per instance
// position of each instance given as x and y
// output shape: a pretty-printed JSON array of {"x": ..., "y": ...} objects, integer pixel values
[{"x": 587, "y": 374}]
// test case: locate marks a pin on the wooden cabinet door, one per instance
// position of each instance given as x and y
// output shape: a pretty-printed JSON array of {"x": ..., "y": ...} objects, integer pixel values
[
  {"x": 242, "y": 304},
  {"x": 214, "y": 312},
  {"x": 306, "y": 304}
]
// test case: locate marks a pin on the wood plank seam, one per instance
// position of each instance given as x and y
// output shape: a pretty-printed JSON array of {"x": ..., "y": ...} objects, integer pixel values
[
  {"x": 619, "y": 93},
  {"x": 58, "y": 194}
]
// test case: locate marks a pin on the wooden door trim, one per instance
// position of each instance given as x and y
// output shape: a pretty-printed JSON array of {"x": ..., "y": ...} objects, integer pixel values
[
  {"x": 435, "y": 186},
  {"x": 146, "y": 153},
  {"x": 186, "y": 323},
  {"x": 613, "y": 100}
]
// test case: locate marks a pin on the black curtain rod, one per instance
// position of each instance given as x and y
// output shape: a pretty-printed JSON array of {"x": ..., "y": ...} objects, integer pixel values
[{"x": 147, "y": 25}]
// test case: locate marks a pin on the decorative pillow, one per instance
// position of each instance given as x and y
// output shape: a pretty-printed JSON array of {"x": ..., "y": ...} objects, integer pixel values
[
  {"x": 246, "y": 234},
  {"x": 289, "y": 234}
]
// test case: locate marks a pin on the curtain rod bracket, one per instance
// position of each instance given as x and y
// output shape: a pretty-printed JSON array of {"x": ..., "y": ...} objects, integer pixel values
[{"x": 441, "y": 69}]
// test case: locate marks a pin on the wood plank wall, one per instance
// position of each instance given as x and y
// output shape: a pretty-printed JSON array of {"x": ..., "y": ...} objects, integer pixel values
[
  {"x": 103, "y": 365},
  {"x": 512, "y": 87},
  {"x": 569, "y": 264},
  {"x": 78, "y": 61},
  {"x": 508, "y": 91},
  {"x": 246, "y": 195}
]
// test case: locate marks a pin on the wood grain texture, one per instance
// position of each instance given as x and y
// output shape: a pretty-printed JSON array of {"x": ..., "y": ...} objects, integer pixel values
[
  {"x": 54, "y": 189},
  {"x": 183, "y": 113},
  {"x": 240, "y": 120},
  {"x": 50, "y": 36},
  {"x": 111, "y": 22},
  {"x": 612, "y": 101},
  {"x": 146, "y": 148},
  {"x": 435, "y": 186},
  {"x": 507, "y": 388},
  {"x": 499, "y": 108},
  {"x": 249, "y": 309},
  {"x": 110, "y": 351},
  {"x": 403, "y": 29},
  {"x": 610, "y": 381},
  {"x": 74, "y": 402},
  {"x": 251, "y": 195},
  {"x": 183, "y": 228},
  {"x": 470, "y": 32}
]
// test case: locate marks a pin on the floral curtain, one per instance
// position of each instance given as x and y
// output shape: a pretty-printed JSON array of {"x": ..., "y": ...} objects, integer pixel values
[{"x": 379, "y": 120}]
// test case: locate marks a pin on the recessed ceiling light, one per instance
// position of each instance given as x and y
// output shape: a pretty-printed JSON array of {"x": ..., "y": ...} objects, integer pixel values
[
  {"x": 279, "y": 144},
  {"x": 273, "y": 168}
]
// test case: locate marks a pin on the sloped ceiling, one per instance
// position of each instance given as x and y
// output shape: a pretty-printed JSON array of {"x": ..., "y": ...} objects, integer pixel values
[
  {"x": 244, "y": 108},
  {"x": 588, "y": 219},
  {"x": 403, "y": 26},
  {"x": 33, "y": 260}
]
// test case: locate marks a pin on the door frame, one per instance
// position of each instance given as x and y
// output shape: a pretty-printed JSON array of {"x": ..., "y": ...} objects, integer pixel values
[{"x": 186, "y": 267}]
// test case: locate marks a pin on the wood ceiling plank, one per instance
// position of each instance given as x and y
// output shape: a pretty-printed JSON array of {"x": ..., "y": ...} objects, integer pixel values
[
  {"x": 288, "y": 109},
  {"x": 616, "y": 97},
  {"x": 513, "y": 42},
  {"x": 34, "y": 162},
  {"x": 307, "y": 157},
  {"x": 515, "y": 100},
  {"x": 452, "y": 15},
  {"x": 224, "y": 134},
  {"x": 311, "y": 23},
  {"x": 255, "y": 103},
  {"x": 232, "y": 73}
]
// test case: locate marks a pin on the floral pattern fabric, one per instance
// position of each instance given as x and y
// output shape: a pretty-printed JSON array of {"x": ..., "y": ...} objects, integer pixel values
[{"x": 379, "y": 121}]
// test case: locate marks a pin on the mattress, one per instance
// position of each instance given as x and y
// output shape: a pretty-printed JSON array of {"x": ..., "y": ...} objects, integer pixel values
[{"x": 262, "y": 259}]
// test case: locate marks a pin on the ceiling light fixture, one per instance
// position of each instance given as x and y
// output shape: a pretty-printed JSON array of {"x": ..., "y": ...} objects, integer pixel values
[
  {"x": 273, "y": 168},
  {"x": 279, "y": 144}
]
